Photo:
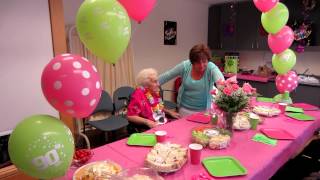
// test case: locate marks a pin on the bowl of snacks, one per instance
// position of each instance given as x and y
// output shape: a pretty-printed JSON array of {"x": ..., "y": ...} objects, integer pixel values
[
  {"x": 213, "y": 137},
  {"x": 99, "y": 170},
  {"x": 81, "y": 156}
]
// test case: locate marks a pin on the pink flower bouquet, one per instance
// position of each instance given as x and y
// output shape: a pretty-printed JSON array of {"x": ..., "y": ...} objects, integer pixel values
[{"x": 231, "y": 97}]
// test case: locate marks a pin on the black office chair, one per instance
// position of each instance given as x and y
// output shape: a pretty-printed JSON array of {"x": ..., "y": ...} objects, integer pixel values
[
  {"x": 121, "y": 99},
  {"x": 168, "y": 104},
  {"x": 110, "y": 122}
]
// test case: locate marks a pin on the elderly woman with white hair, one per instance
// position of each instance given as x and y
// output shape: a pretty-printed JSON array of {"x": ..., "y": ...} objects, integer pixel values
[{"x": 146, "y": 106}]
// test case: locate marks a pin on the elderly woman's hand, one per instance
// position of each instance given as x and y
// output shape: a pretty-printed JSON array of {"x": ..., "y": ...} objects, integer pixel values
[
  {"x": 151, "y": 124},
  {"x": 173, "y": 114}
]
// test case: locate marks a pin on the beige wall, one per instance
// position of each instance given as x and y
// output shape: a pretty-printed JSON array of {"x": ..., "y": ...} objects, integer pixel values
[
  {"x": 25, "y": 49},
  {"x": 147, "y": 37}
]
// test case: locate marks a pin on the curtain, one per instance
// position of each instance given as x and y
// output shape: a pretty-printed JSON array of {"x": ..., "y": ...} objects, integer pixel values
[{"x": 112, "y": 76}]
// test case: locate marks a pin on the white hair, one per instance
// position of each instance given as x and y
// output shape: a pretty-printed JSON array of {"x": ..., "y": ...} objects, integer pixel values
[{"x": 145, "y": 75}]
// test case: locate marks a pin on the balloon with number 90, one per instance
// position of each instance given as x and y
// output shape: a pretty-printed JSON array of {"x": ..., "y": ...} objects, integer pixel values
[{"x": 41, "y": 146}]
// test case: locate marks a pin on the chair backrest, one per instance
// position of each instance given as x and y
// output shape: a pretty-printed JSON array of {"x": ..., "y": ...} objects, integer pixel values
[
  {"x": 105, "y": 103},
  {"x": 121, "y": 97}
]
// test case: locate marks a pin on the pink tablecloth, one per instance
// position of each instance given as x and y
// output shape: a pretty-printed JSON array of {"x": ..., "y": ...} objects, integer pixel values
[{"x": 260, "y": 160}]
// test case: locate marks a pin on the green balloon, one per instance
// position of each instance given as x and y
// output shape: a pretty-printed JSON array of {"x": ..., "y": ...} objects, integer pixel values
[
  {"x": 283, "y": 62},
  {"x": 104, "y": 28},
  {"x": 42, "y": 147},
  {"x": 275, "y": 19}
]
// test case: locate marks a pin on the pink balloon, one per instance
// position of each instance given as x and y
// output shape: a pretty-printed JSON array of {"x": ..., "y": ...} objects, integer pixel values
[
  {"x": 72, "y": 85},
  {"x": 287, "y": 82},
  {"x": 265, "y": 5},
  {"x": 281, "y": 41},
  {"x": 138, "y": 9}
]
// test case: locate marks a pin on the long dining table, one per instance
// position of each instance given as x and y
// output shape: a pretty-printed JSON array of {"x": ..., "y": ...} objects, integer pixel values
[{"x": 261, "y": 160}]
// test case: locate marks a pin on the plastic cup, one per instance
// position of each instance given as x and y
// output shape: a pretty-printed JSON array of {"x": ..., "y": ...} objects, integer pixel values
[
  {"x": 282, "y": 107},
  {"x": 254, "y": 120},
  {"x": 254, "y": 123},
  {"x": 161, "y": 136},
  {"x": 195, "y": 153}
]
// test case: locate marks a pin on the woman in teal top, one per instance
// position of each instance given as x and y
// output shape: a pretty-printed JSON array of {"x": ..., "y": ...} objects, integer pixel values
[{"x": 198, "y": 78}]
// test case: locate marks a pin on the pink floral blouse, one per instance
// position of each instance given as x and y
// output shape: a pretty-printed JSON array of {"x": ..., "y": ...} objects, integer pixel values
[{"x": 139, "y": 105}]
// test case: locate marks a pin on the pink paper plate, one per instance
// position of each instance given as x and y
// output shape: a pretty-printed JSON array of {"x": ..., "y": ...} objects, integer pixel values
[
  {"x": 277, "y": 133},
  {"x": 199, "y": 117},
  {"x": 305, "y": 106}
]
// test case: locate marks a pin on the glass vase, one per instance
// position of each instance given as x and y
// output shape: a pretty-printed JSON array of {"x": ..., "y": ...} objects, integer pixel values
[
  {"x": 228, "y": 121},
  {"x": 252, "y": 101}
]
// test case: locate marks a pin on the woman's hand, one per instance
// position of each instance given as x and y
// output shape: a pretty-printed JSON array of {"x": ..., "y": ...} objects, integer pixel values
[
  {"x": 173, "y": 114},
  {"x": 151, "y": 124}
]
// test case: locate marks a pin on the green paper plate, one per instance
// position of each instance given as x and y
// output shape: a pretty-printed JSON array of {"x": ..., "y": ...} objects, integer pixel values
[
  {"x": 300, "y": 116},
  {"x": 265, "y": 99},
  {"x": 224, "y": 166},
  {"x": 142, "y": 139},
  {"x": 294, "y": 109}
]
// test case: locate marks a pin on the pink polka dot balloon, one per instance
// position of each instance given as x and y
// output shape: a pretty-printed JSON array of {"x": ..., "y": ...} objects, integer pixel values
[
  {"x": 72, "y": 85},
  {"x": 287, "y": 82}
]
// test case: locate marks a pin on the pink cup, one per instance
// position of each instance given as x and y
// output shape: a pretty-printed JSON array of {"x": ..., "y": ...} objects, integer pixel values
[
  {"x": 195, "y": 153},
  {"x": 161, "y": 136},
  {"x": 282, "y": 107}
]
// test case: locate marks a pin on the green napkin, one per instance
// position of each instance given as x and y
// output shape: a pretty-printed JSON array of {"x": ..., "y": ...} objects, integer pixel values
[
  {"x": 264, "y": 139},
  {"x": 301, "y": 116},
  {"x": 265, "y": 99},
  {"x": 294, "y": 109}
]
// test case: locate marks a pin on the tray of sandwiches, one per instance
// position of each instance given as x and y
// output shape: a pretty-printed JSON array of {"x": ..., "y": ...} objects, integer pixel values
[
  {"x": 91, "y": 171},
  {"x": 241, "y": 120},
  {"x": 266, "y": 111},
  {"x": 166, "y": 157}
]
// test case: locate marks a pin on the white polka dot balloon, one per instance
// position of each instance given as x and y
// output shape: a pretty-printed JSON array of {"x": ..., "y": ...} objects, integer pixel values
[
  {"x": 287, "y": 82},
  {"x": 71, "y": 84}
]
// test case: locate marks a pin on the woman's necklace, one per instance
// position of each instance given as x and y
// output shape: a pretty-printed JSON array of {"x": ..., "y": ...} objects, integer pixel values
[{"x": 155, "y": 101}]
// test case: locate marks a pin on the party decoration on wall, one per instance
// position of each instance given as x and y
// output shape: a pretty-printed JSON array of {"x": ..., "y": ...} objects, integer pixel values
[
  {"x": 72, "y": 85},
  {"x": 284, "y": 62},
  {"x": 104, "y": 28},
  {"x": 138, "y": 9},
  {"x": 287, "y": 82},
  {"x": 281, "y": 41},
  {"x": 275, "y": 19},
  {"x": 170, "y": 33},
  {"x": 302, "y": 36},
  {"x": 303, "y": 28},
  {"x": 41, "y": 146},
  {"x": 265, "y": 5}
]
